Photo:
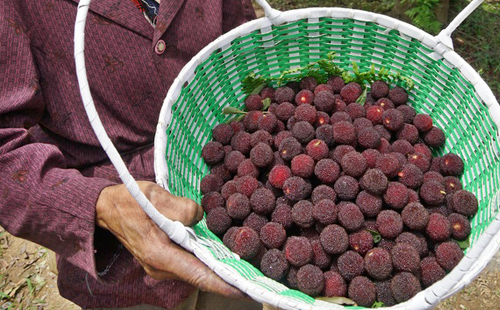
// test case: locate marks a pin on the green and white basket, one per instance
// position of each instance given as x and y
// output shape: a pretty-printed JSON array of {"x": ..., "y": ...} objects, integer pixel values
[{"x": 446, "y": 88}]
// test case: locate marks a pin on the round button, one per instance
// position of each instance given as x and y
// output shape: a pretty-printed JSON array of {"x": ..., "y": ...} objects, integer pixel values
[{"x": 160, "y": 47}]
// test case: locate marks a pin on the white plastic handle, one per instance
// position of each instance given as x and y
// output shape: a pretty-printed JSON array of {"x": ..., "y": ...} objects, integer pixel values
[
  {"x": 445, "y": 35},
  {"x": 270, "y": 13},
  {"x": 175, "y": 230}
]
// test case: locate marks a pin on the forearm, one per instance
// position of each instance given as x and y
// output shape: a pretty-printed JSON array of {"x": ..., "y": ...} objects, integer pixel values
[
  {"x": 46, "y": 203},
  {"x": 40, "y": 199}
]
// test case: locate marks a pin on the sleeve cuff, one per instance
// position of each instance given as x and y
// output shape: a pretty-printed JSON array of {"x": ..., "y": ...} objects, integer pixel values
[
  {"x": 96, "y": 250},
  {"x": 68, "y": 219}
]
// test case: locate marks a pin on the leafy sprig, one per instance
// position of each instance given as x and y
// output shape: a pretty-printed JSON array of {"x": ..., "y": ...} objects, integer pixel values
[
  {"x": 329, "y": 66},
  {"x": 321, "y": 70},
  {"x": 365, "y": 78},
  {"x": 232, "y": 110},
  {"x": 296, "y": 74},
  {"x": 240, "y": 114},
  {"x": 386, "y": 75}
]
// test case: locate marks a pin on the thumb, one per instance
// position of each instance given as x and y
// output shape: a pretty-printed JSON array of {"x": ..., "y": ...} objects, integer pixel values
[
  {"x": 175, "y": 208},
  {"x": 188, "y": 212}
]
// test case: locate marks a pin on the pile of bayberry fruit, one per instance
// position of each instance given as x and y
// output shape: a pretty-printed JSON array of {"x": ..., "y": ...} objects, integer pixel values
[{"x": 335, "y": 197}]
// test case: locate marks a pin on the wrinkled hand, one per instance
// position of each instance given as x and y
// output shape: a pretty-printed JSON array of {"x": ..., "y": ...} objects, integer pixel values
[{"x": 118, "y": 212}]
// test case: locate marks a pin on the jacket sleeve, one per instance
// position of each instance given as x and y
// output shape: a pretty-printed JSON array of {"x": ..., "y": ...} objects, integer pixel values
[{"x": 40, "y": 198}]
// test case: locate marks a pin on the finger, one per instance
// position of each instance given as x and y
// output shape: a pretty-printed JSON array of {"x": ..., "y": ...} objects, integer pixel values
[
  {"x": 200, "y": 213},
  {"x": 198, "y": 274},
  {"x": 175, "y": 208},
  {"x": 182, "y": 209},
  {"x": 185, "y": 266}
]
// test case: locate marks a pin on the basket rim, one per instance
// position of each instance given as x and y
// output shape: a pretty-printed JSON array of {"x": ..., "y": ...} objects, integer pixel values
[{"x": 482, "y": 250}]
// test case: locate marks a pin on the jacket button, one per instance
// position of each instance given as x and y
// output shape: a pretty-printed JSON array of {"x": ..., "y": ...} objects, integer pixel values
[{"x": 160, "y": 47}]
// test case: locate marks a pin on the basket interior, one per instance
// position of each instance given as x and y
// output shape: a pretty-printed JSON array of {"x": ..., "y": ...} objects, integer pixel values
[{"x": 440, "y": 91}]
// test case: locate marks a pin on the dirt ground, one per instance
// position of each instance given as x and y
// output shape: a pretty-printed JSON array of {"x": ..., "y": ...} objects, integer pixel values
[
  {"x": 26, "y": 279},
  {"x": 27, "y": 282}
]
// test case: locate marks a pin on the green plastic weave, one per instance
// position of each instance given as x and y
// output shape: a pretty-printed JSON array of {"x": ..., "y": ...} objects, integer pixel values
[{"x": 440, "y": 91}]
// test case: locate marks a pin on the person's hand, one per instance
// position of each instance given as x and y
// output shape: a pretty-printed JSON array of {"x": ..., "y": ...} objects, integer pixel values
[{"x": 118, "y": 212}]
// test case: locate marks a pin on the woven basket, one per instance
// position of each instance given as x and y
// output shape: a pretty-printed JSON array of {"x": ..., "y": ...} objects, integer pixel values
[{"x": 446, "y": 88}]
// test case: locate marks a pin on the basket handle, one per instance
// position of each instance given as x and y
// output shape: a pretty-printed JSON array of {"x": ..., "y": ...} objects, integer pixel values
[
  {"x": 445, "y": 35},
  {"x": 175, "y": 230},
  {"x": 270, "y": 13}
]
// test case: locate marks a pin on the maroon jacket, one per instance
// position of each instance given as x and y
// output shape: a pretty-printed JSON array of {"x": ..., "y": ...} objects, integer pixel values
[{"x": 52, "y": 168}]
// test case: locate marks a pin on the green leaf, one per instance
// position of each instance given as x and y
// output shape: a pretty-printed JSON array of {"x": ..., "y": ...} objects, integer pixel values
[
  {"x": 347, "y": 77},
  {"x": 362, "y": 99},
  {"x": 236, "y": 119},
  {"x": 4, "y": 296},
  {"x": 385, "y": 74},
  {"x": 257, "y": 89},
  {"x": 309, "y": 66},
  {"x": 320, "y": 78},
  {"x": 337, "y": 300},
  {"x": 30, "y": 285},
  {"x": 232, "y": 110},
  {"x": 283, "y": 79},
  {"x": 378, "y": 304},
  {"x": 376, "y": 236},
  {"x": 329, "y": 67},
  {"x": 410, "y": 84},
  {"x": 251, "y": 83},
  {"x": 422, "y": 15},
  {"x": 355, "y": 68},
  {"x": 323, "y": 63},
  {"x": 382, "y": 71},
  {"x": 266, "y": 103},
  {"x": 464, "y": 244}
]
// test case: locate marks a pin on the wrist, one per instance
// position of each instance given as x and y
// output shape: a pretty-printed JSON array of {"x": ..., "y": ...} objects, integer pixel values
[{"x": 102, "y": 207}]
